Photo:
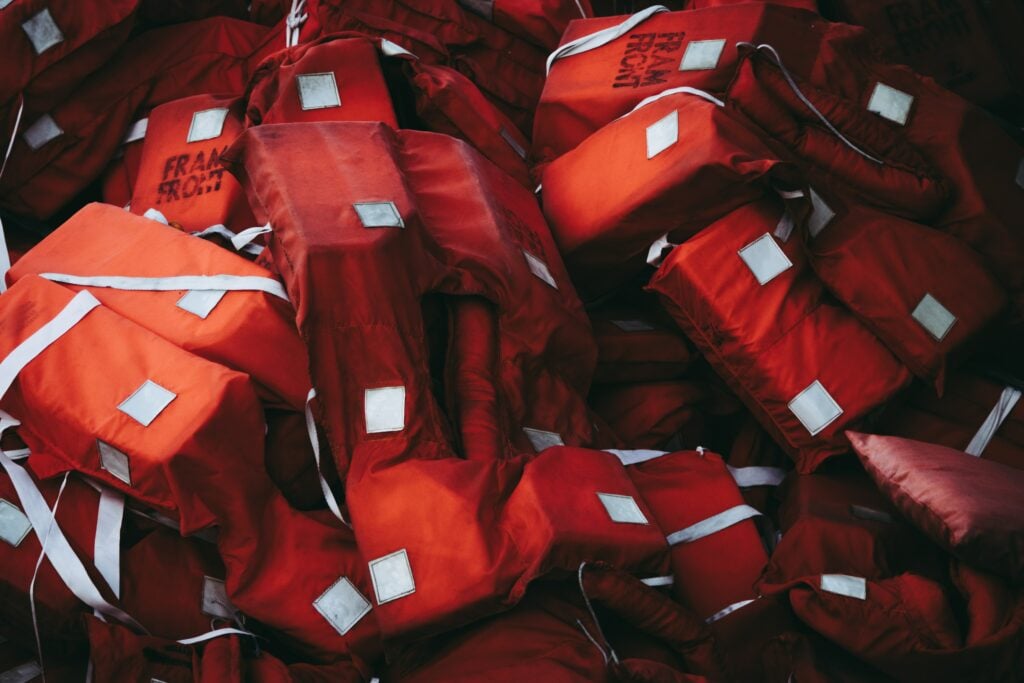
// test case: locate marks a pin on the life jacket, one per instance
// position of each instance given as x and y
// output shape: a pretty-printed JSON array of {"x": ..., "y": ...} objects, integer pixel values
[
  {"x": 976, "y": 415},
  {"x": 555, "y": 634},
  {"x": 60, "y": 152},
  {"x": 682, "y": 162},
  {"x": 174, "y": 432},
  {"x": 235, "y": 313},
  {"x": 653, "y": 414},
  {"x": 637, "y": 346},
  {"x": 605, "y": 66},
  {"x": 179, "y": 171},
  {"x": 803, "y": 365},
  {"x": 977, "y": 518}
]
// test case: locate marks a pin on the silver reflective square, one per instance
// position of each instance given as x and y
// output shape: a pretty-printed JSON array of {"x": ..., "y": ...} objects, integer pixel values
[
  {"x": 215, "y": 599},
  {"x": 622, "y": 509},
  {"x": 542, "y": 440},
  {"x": 765, "y": 259},
  {"x": 632, "y": 325},
  {"x": 146, "y": 402},
  {"x": 392, "y": 576},
  {"x": 890, "y": 103},
  {"x": 200, "y": 302},
  {"x": 846, "y": 585},
  {"x": 702, "y": 55},
  {"x": 815, "y": 408},
  {"x": 14, "y": 525},
  {"x": 384, "y": 409},
  {"x": 342, "y": 605},
  {"x": 318, "y": 91},
  {"x": 42, "y": 131},
  {"x": 821, "y": 214},
  {"x": 42, "y": 31},
  {"x": 207, "y": 124},
  {"x": 1020, "y": 174},
  {"x": 378, "y": 214},
  {"x": 539, "y": 269},
  {"x": 23, "y": 673},
  {"x": 114, "y": 461},
  {"x": 662, "y": 134},
  {"x": 935, "y": 318}
]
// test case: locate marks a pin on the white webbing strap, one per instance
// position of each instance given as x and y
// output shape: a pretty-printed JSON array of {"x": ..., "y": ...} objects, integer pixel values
[
  {"x": 634, "y": 457},
  {"x": 241, "y": 241},
  {"x": 5, "y": 256},
  {"x": 107, "y": 544},
  {"x": 1000, "y": 411},
  {"x": 807, "y": 103},
  {"x": 713, "y": 524},
  {"x": 726, "y": 611},
  {"x": 227, "y": 283},
  {"x": 293, "y": 23},
  {"x": 746, "y": 477},
  {"x": 35, "y": 571},
  {"x": 314, "y": 441},
  {"x": 63, "y": 558},
  {"x": 38, "y": 341},
  {"x": 603, "y": 37},
  {"x": 656, "y": 252},
  {"x": 610, "y": 654},
  {"x": 136, "y": 131},
  {"x": 659, "y": 581},
  {"x": 675, "y": 91},
  {"x": 216, "y": 633}
]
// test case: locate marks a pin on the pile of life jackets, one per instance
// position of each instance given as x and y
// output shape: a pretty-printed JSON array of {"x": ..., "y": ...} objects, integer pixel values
[{"x": 472, "y": 340}]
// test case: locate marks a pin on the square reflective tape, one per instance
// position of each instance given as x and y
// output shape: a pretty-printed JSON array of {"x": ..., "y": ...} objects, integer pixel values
[
  {"x": 890, "y": 103},
  {"x": 392, "y": 577},
  {"x": 147, "y": 402},
  {"x": 815, "y": 408},
  {"x": 702, "y": 55},
  {"x": 42, "y": 131},
  {"x": 14, "y": 525},
  {"x": 662, "y": 134},
  {"x": 844, "y": 584},
  {"x": 114, "y": 461},
  {"x": 200, "y": 302},
  {"x": 318, "y": 91},
  {"x": 215, "y": 599},
  {"x": 765, "y": 259},
  {"x": 539, "y": 269},
  {"x": 342, "y": 605},
  {"x": 378, "y": 215},
  {"x": 206, "y": 124},
  {"x": 542, "y": 440},
  {"x": 384, "y": 409},
  {"x": 42, "y": 31},
  {"x": 821, "y": 214},
  {"x": 935, "y": 318},
  {"x": 622, "y": 509}
]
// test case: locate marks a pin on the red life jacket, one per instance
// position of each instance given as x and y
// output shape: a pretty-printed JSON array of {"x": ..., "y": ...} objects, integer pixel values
[
  {"x": 638, "y": 346},
  {"x": 653, "y": 414},
  {"x": 805, "y": 367}
]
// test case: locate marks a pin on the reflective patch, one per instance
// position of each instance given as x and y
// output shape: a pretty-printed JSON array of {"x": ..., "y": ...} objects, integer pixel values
[
  {"x": 42, "y": 31},
  {"x": 3, "y": 4},
  {"x": 206, "y": 124},
  {"x": 890, "y": 103},
  {"x": 632, "y": 325},
  {"x": 392, "y": 577},
  {"x": 215, "y": 599},
  {"x": 14, "y": 525},
  {"x": 42, "y": 131},
  {"x": 318, "y": 91},
  {"x": 342, "y": 605},
  {"x": 702, "y": 55},
  {"x": 821, "y": 214},
  {"x": 539, "y": 269},
  {"x": 933, "y": 317},
  {"x": 200, "y": 302},
  {"x": 844, "y": 584},
  {"x": 507, "y": 137},
  {"x": 1020, "y": 174},
  {"x": 23, "y": 673},
  {"x": 147, "y": 402},
  {"x": 870, "y": 514},
  {"x": 662, "y": 134},
  {"x": 765, "y": 259},
  {"x": 542, "y": 440},
  {"x": 659, "y": 581},
  {"x": 378, "y": 215},
  {"x": 784, "y": 228},
  {"x": 114, "y": 461},
  {"x": 726, "y": 611},
  {"x": 622, "y": 509},
  {"x": 815, "y": 408},
  {"x": 384, "y": 409}
]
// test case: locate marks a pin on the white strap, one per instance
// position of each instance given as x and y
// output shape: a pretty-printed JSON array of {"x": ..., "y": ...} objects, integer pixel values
[
  {"x": 64, "y": 560},
  {"x": 136, "y": 131},
  {"x": 610, "y": 655},
  {"x": 1000, "y": 411},
  {"x": 216, "y": 633},
  {"x": 36, "y": 343},
  {"x": 107, "y": 544},
  {"x": 675, "y": 91},
  {"x": 658, "y": 581},
  {"x": 726, "y": 611},
  {"x": 229, "y": 283},
  {"x": 746, "y": 477},
  {"x": 5, "y": 256},
  {"x": 241, "y": 241},
  {"x": 296, "y": 18},
  {"x": 39, "y": 563},
  {"x": 314, "y": 440},
  {"x": 655, "y": 253},
  {"x": 713, "y": 524},
  {"x": 633, "y": 457},
  {"x": 156, "y": 215},
  {"x": 603, "y": 37}
]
